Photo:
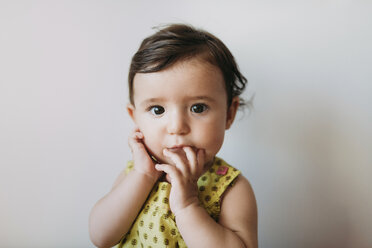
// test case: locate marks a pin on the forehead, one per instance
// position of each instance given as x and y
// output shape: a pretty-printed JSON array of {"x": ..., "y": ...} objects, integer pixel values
[{"x": 184, "y": 79}]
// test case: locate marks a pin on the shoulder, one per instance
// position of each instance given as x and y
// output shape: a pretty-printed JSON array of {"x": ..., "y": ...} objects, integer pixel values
[{"x": 239, "y": 211}]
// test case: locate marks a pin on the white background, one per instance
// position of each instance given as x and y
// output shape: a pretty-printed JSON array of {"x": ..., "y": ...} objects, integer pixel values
[{"x": 305, "y": 147}]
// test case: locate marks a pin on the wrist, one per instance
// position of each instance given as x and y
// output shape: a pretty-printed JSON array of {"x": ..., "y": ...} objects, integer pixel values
[
  {"x": 192, "y": 206},
  {"x": 146, "y": 176}
]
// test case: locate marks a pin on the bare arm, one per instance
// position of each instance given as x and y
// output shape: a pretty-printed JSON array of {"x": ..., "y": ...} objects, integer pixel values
[
  {"x": 113, "y": 215},
  {"x": 237, "y": 226}
]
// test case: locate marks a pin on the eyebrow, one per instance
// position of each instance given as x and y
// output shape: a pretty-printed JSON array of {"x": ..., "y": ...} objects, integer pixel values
[
  {"x": 160, "y": 99},
  {"x": 206, "y": 98},
  {"x": 151, "y": 100}
]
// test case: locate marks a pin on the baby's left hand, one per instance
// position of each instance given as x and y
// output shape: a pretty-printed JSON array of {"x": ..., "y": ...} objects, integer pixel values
[{"x": 183, "y": 176}]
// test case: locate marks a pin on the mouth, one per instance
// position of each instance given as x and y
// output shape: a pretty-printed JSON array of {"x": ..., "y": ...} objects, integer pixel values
[{"x": 180, "y": 148}]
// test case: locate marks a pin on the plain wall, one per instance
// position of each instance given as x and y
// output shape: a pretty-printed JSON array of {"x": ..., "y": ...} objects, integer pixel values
[{"x": 305, "y": 146}]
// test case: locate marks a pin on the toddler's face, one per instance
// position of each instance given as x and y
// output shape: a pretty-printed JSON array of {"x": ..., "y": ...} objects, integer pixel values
[{"x": 184, "y": 105}]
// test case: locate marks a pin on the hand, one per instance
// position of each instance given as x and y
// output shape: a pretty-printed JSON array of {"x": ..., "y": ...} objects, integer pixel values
[
  {"x": 142, "y": 160},
  {"x": 183, "y": 176}
]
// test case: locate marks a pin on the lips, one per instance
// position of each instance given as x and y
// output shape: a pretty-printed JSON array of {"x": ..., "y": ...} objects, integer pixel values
[
  {"x": 179, "y": 148},
  {"x": 175, "y": 149}
]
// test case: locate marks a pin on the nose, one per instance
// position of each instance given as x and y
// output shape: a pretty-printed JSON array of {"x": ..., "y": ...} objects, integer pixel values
[{"x": 178, "y": 123}]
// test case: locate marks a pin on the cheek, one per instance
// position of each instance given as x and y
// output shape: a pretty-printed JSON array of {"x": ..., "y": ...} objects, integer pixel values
[
  {"x": 152, "y": 138},
  {"x": 211, "y": 138}
]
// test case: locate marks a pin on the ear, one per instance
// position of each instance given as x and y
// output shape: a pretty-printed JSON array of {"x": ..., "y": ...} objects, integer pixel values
[
  {"x": 131, "y": 109},
  {"x": 231, "y": 112}
]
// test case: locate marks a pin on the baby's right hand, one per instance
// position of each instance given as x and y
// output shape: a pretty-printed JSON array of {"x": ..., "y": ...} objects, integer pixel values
[{"x": 142, "y": 160}]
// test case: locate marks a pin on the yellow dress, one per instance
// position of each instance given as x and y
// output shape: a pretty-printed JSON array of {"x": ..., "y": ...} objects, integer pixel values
[{"x": 155, "y": 225}]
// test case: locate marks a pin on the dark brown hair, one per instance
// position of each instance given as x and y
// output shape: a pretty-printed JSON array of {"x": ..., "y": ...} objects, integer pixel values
[{"x": 177, "y": 42}]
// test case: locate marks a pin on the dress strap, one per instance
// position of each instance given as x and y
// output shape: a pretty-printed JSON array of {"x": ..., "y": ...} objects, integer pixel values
[{"x": 213, "y": 183}]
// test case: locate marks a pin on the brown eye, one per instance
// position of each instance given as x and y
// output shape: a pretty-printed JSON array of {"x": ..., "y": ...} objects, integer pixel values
[
  {"x": 157, "y": 110},
  {"x": 198, "y": 108}
]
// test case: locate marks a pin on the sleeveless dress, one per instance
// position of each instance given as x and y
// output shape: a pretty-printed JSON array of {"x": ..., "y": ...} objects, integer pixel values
[{"x": 155, "y": 225}]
